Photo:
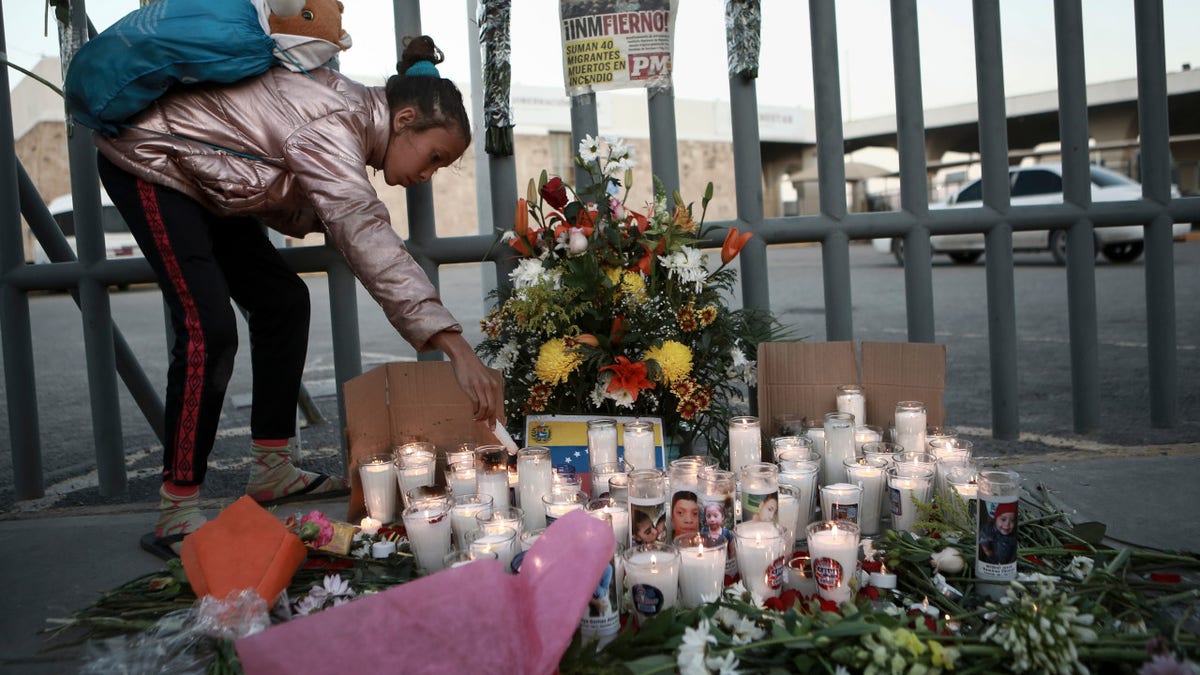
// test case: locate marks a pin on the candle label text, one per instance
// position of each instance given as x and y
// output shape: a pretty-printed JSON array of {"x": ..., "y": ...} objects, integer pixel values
[
  {"x": 775, "y": 573},
  {"x": 828, "y": 573}
]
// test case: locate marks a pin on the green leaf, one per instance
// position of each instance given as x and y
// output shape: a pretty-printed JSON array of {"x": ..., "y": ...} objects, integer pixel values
[{"x": 655, "y": 663}]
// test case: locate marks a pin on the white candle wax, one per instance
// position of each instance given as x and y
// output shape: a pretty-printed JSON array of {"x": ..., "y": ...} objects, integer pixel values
[
  {"x": 839, "y": 446},
  {"x": 414, "y": 476},
  {"x": 602, "y": 445},
  {"x": 817, "y": 434},
  {"x": 505, "y": 439},
  {"x": 701, "y": 574},
  {"x": 904, "y": 493},
  {"x": 871, "y": 480},
  {"x": 494, "y": 483},
  {"x": 789, "y": 513},
  {"x": 639, "y": 448},
  {"x": 429, "y": 536},
  {"x": 534, "y": 481},
  {"x": 370, "y": 526},
  {"x": 382, "y": 549},
  {"x": 745, "y": 445},
  {"x": 806, "y": 483},
  {"x": 910, "y": 430},
  {"x": 864, "y": 435},
  {"x": 835, "y": 562},
  {"x": 840, "y": 501},
  {"x": 463, "y": 481},
  {"x": 620, "y": 523},
  {"x": 503, "y": 546},
  {"x": 855, "y": 404},
  {"x": 884, "y": 580},
  {"x": 600, "y": 480},
  {"x": 464, "y": 519},
  {"x": 800, "y": 575},
  {"x": 379, "y": 490},
  {"x": 760, "y": 557},
  {"x": 657, "y": 573},
  {"x": 554, "y": 508}
]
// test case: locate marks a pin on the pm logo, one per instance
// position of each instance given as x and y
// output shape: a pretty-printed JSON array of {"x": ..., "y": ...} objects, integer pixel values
[
  {"x": 541, "y": 433},
  {"x": 645, "y": 66}
]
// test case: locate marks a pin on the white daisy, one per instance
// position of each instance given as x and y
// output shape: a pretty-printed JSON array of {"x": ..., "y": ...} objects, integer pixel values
[{"x": 589, "y": 148}]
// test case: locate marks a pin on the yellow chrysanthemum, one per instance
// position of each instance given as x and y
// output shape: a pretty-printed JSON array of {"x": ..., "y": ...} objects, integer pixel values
[
  {"x": 556, "y": 361},
  {"x": 674, "y": 358},
  {"x": 629, "y": 281}
]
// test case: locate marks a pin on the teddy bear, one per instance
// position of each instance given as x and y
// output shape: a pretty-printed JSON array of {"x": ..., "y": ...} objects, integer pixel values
[{"x": 307, "y": 33}]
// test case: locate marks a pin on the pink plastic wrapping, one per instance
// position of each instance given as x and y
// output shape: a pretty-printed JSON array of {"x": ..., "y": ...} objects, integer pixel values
[{"x": 473, "y": 618}]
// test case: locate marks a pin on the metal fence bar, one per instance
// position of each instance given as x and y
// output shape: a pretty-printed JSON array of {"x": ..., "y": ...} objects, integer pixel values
[
  {"x": 1077, "y": 189},
  {"x": 93, "y": 298},
  {"x": 584, "y": 122},
  {"x": 16, "y": 333},
  {"x": 914, "y": 193},
  {"x": 747, "y": 181},
  {"x": 1156, "y": 185},
  {"x": 831, "y": 170},
  {"x": 664, "y": 148},
  {"x": 993, "y": 146}
]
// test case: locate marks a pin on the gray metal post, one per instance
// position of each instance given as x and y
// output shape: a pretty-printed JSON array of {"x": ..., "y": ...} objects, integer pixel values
[
  {"x": 584, "y": 122},
  {"x": 15, "y": 330},
  {"x": 747, "y": 179},
  {"x": 831, "y": 170},
  {"x": 664, "y": 147},
  {"x": 93, "y": 299},
  {"x": 1156, "y": 186},
  {"x": 993, "y": 147},
  {"x": 483, "y": 177},
  {"x": 1077, "y": 189},
  {"x": 914, "y": 194}
]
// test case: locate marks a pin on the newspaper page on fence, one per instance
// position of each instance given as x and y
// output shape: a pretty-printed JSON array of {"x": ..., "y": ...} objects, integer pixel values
[{"x": 616, "y": 44}]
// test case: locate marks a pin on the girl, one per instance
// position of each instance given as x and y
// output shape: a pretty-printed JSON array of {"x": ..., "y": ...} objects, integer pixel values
[{"x": 195, "y": 175}]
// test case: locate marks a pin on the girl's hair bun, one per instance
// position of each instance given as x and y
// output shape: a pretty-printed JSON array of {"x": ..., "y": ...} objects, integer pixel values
[{"x": 419, "y": 48}]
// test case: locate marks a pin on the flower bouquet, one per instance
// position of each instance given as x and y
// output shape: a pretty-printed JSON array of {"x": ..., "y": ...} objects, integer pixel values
[{"x": 616, "y": 311}]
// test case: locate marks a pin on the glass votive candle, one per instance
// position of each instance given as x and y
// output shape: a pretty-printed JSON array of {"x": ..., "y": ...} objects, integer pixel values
[
  {"x": 789, "y": 424},
  {"x": 869, "y": 473},
  {"x": 800, "y": 574},
  {"x": 602, "y": 473},
  {"x": 908, "y": 485},
  {"x": 639, "y": 445},
  {"x": 802, "y": 475},
  {"x": 427, "y": 525},
  {"x": 414, "y": 446},
  {"x": 761, "y": 556},
  {"x": 959, "y": 494},
  {"x": 618, "y": 487},
  {"x": 840, "y": 501},
  {"x": 999, "y": 491},
  {"x": 794, "y": 447},
  {"x": 885, "y": 449},
  {"x": 508, "y": 516},
  {"x": 866, "y": 433},
  {"x": 910, "y": 425},
  {"x": 565, "y": 479},
  {"x": 602, "y": 441},
  {"x": 701, "y": 568},
  {"x": 647, "y": 506},
  {"x": 941, "y": 446},
  {"x": 558, "y": 504},
  {"x": 413, "y": 469},
  {"x": 683, "y": 482},
  {"x": 949, "y": 460},
  {"x": 939, "y": 433},
  {"x": 440, "y": 494},
  {"x": 850, "y": 399},
  {"x": 465, "y": 511},
  {"x": 494, "y": 539},
  {"x": 789, "y": 512},
  {"x": 534, "y": 481},
  {"x": 915, "y": 458},
  {"x": 652, "y": 577},
  {"x": 460, "y": 558},
  {"x": 461, "y": 452},
  {"x": 839, "y": 445},
  {"x": 379, "y": 486},
  {"x": 760, "y": 492},
  {"x": 460, "y": 476},
  {"x": 491, "y": 473},
  {"x": 717, "y": 491},
  {"x": 616, "y": 513},
  {"x": 745, "y": 442},
  {"x": 833, "y": 547},
  {"x": 815, "y": 430}
]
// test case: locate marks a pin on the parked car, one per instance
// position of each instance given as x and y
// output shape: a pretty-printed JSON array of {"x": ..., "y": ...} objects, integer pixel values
[
  {"x": 118, "y": 242},
  {"x": 1041, "y": 184}
]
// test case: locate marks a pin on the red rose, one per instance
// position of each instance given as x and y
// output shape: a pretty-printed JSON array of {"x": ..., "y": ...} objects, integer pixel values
[{"x": 555, "y": 193}]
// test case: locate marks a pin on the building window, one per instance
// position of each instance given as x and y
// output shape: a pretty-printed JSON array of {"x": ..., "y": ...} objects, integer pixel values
[{"x": 562, "y": 155}]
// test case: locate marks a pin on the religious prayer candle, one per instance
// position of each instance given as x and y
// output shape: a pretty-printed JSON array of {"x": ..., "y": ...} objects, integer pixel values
[
  {"x": 839, "y": 446},
  {"x": 558, "y": 504},
  {"x": 789, "y": 511},
  {"x": 683, "y": 482},
  {"x": 760, "y": 492},
  {"x": 717, "y": 508},
  {"x": 639, "y": 445},
  {"x": 802, "y": 475},
  {"x": 491, "y": 464},
  {"x": 850, "y": 399},
  {"x": 885, "y": 449},
  {"x": 761, "y": 557},
  {"x": 840, "y": 501},
  {"x": 864, "y": 434},
  {"x": 379, "y": 486},
  {"x": 745, "y": 443},
  {"x": 652, "y": 577},
  {"x": 414, "y": 469},
  {"x": 833, "y": 546},
  {"x": 910, "y": 425},
  {"x": 869, "y": 474},
  {"x": 428, "y": 527},
  {"x": 647, "y": 507},
  {"x": 800, "y": 574},
  {"x": 460, "y": 453},
  {"x": 498, "y": 540},
  {"x": 616, "y": 513},
  {"x": 534, "y": 481},
  {"x": 996, "y": 534},
  {"x": 461, "y": 477},
  {"x": 793, "y": 447},
  {"x": 602, "y": 441},
  {"x": 907, "y": 486},
  {"x": 602, "y": 473},
  {"x": 701, "y": 569}
]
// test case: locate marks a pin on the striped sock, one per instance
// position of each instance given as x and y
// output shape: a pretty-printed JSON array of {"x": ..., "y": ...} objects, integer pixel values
[
  {"x": 178, "y": 510},
  {"x": 273, "y": 475}
]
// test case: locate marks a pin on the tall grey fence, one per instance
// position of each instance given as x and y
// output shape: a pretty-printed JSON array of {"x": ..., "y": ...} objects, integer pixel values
[{"x": 108, "y": 357}]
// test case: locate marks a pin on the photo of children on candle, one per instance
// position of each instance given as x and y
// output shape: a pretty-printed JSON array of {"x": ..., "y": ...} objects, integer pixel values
[
  {"x": 760, "y": 508},
  {"x": 998, "y": 532},
  {"x": 685, "y": 513},
  {"x": 649, "y": 523}
]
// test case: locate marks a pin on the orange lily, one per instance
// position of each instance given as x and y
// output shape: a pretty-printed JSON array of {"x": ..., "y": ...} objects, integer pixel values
[
  {"x": 628, "y": 376},
  {"x": 733, "y": 244},
  {"x": 618, "y": 329}
]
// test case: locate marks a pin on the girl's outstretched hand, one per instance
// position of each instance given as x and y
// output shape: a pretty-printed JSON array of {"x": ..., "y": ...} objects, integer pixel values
[{"x": 483, "y": 385}]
